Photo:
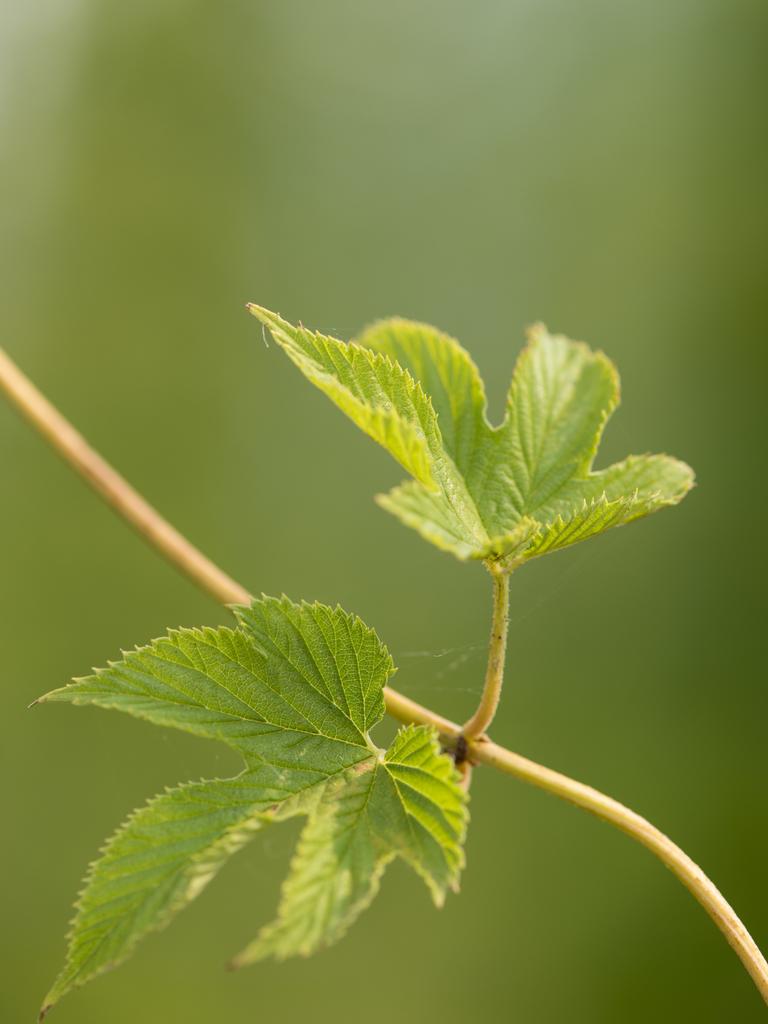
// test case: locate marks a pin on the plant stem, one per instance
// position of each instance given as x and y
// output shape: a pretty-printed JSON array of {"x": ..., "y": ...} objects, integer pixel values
[
  {"x": 634, "y": 825},
  {"x": 115, "y": 490},
  {"x": 181, "y": 553},
  {"x": 497, "y": 649},
  {"x": 484, "y": 751}
]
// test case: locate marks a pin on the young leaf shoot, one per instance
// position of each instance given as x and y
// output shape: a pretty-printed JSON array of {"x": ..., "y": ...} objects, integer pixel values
[{"x": 502, "y": 494}]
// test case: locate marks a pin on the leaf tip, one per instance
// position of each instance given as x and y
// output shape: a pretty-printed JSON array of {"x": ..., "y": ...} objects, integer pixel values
[
  {"x": 438, "y": 897},
  {"x": 44, "y": 1011},
  {"x": 44, "y": 698},
  {"x": 261, "y": 313},
  {"x": 237, "y": 961},
  {"x": 536, "y": 330}
]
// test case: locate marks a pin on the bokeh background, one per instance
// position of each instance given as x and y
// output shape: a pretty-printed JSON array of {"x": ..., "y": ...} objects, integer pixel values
[{"x": 601, "y": 166}]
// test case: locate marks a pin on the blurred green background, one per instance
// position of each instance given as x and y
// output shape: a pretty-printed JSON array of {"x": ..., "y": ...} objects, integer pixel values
[{"x": 601, "y": 166}]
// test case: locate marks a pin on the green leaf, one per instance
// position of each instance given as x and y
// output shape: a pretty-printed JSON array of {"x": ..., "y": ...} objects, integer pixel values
[
  {"x": 446, "y": 373},
  {"x": 334, "y": 875},
  {"x": 295, "y": 690},
  {"x": 409, "y": 804},
  {"x": 526, "y": 487},
  {"x": 371, "y": 389},
  {"x": 386, "y": 402},
  {"x": 157, "y": 862}
]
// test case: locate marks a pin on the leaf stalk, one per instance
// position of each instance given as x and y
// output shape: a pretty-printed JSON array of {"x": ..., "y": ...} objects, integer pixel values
[{"x": 497, "y": 649}]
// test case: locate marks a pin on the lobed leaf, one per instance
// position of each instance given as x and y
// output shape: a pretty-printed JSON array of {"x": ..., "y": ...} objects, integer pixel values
[
  {"x": 295, "y": 690},
  {"x": 526, "y": 487}
]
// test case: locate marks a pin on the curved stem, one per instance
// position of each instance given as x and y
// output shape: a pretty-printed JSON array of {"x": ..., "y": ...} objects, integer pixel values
[
  {"x": 180, "y": 552},
  {"x": 115, "y": 490},
  {"x": 634, "y": 825},
  {"x": 485, "y": 751},
  {"x": 497, "y": 649}
]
